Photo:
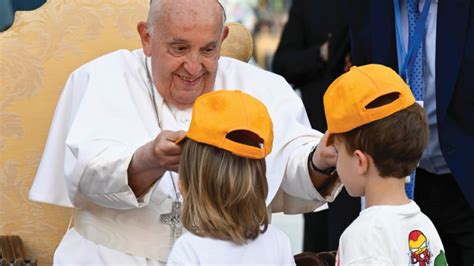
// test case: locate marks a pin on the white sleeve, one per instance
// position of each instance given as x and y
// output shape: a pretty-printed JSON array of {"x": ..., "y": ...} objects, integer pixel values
[
  {"x": 106, "y": 131},
  {"x": 103, "y": 178},
  {"x": 49, "y": 184},
  {"x": 297, "y": 181}
]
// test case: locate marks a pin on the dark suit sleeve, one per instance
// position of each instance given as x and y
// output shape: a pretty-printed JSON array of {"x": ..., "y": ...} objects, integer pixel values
[
  {"x": 357, "y": 15},
  {"x": 293, "y": 60},
  {"x": 339, "y": 44}
]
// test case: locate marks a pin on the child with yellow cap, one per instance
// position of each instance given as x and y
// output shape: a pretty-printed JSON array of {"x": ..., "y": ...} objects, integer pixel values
[
  {"x": 379, "y": 133},
  {"x": 224, "y": 187}
]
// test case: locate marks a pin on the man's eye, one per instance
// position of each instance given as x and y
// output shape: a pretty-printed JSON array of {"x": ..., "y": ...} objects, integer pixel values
[
  {"x": 178, "y": 50},
  {"x": 209, "y": 51}
]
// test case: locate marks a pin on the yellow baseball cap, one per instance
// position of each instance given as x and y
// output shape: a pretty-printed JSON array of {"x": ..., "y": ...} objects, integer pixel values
[
  {"x": 347, "y": 99},
  {"x": 217, "y": 114}
]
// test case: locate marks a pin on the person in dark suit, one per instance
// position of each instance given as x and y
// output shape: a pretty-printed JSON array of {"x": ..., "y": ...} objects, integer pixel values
[
  {"x": 444, "y": 184},
  {"x": 311, "y": 54}
]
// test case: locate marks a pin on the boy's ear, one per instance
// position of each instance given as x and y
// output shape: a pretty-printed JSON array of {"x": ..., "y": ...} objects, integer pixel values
[{"x": 362, "y": 162}]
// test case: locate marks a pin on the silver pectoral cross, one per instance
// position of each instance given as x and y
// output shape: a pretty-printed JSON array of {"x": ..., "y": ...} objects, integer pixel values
[{"x": 174, "y": 220}]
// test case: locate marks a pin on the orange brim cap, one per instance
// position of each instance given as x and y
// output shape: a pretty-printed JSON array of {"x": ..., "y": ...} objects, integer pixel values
[
  {"x": 218, "y": 113},
  {"x": 347, "y": 98}
]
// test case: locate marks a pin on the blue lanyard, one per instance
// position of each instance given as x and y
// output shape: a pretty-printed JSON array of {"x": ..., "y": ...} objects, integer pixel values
[{"x": 406, "y": 59}]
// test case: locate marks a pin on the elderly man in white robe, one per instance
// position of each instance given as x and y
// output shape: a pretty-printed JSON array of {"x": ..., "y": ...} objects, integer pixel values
[{"x": 112, "y": 141}]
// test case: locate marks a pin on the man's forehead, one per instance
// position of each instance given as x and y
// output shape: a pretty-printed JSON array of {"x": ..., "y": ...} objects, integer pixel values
[
  {"x": 197, "y": 7},
  {"x": 180, "y": 18},
  {"x": 195, "y": 1},
  {"x": 177, "y": 28}
]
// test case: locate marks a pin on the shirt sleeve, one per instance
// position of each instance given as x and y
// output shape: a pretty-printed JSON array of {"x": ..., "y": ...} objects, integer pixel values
[
  {"x": 104, "y": 179},
  {"x": 106, "y": 130},
  {"x": 297, "y": 181}
]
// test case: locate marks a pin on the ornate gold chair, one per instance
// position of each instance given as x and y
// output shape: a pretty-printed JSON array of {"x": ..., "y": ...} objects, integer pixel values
[{"x": 37, "y": 55}]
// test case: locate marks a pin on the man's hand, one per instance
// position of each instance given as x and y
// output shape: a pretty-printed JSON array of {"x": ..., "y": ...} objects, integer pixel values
[
  {"x": 154, "y": 158},
  {"x": 324, "y": 51},
  {"x": 166, "y": 153},
  {"x": 325, "y": 156}
]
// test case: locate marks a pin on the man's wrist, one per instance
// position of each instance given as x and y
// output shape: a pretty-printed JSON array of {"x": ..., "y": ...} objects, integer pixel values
[{"x": 314, "y": 168}]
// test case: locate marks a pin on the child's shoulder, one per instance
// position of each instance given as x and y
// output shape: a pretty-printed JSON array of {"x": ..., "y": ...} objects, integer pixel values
[
  {"x": 376, "y": 219},
  {"x": 188, "y": 237},
  {"x": 383, "y": 222},
  {"x": 275, "y": 232},
  {"x": 272, "y": 233}
]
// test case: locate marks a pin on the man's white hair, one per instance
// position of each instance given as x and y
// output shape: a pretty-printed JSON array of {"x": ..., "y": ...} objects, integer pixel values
[{"x": 154, "y": 14}]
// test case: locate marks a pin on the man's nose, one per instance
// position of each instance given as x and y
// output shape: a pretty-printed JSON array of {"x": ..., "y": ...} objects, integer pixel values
[{"x": 193, "y": 64}]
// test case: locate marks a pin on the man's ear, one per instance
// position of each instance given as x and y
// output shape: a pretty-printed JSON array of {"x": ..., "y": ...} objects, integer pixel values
[
  {"x": 362, "y": 162},
  {"x": 226, "y": 33},
  {"x": 142, "y": 28}
]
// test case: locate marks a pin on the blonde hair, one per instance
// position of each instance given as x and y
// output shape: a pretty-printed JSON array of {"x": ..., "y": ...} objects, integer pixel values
[{"x": 224, "y": 194}]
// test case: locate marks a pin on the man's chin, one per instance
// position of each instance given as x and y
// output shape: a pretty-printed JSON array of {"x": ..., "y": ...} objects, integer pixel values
[
  {"x": 186, "y": 95},
  {"x": 186, "y": 100}
]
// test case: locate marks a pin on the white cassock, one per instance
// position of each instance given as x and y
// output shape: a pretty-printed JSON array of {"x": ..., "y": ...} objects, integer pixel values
[{"x": 105, "y": 113}]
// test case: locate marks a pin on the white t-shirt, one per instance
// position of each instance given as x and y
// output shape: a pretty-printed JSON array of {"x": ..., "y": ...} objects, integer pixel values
[
  {"x": 390, "y": 235},
  {"x": 270, "y": 248}
]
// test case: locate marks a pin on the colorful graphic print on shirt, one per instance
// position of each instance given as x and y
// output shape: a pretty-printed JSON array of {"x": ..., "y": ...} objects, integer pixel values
[{"x": 420, "y": 253}]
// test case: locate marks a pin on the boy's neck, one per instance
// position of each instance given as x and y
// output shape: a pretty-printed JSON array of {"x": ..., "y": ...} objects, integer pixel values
[{"x": 385, "y": 191}]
